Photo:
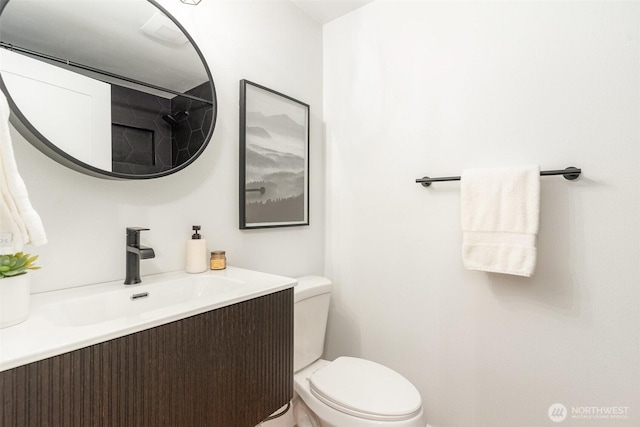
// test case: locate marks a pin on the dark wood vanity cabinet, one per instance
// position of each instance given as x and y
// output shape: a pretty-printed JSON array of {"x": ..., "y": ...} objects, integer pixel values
[{"x": 230, "y": 367}]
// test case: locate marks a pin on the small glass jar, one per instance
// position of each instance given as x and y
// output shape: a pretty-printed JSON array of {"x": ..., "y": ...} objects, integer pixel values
[{"x": 218, "y": 260}]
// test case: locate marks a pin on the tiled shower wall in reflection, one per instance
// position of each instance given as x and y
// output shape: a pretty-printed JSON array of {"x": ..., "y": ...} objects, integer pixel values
[
  {"x": 143, "y": 142},
  {"x": 190, "y": 134}
]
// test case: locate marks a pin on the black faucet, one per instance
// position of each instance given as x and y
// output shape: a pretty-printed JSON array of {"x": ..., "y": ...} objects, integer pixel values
[{"x": 135, "y": 253}]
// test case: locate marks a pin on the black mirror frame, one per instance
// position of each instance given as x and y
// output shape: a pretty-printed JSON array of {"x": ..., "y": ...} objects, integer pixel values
[{"x": 31, "y": 134}]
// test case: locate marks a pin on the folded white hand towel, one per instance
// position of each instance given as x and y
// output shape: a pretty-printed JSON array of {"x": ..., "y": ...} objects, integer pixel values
[
  {"x": 20, "y": 224},
  {"x": 500, "y": 210}
]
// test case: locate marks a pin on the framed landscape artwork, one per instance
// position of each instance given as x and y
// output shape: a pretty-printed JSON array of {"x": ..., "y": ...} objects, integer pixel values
[{"x": 274, "y": 158}]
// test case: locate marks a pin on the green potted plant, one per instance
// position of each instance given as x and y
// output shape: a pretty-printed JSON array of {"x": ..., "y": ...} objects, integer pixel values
[{"x": 15, "y": 286}]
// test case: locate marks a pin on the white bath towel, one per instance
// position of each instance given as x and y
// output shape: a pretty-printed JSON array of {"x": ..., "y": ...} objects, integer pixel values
[
  {"x": 20, "y": 224},
  {"x": 500, "y": 211}
]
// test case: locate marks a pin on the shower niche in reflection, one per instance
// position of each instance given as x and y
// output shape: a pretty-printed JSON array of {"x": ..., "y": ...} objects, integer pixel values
[{"x": 152, "y": 134}]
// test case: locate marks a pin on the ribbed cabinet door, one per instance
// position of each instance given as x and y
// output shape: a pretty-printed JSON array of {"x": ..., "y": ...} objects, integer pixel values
[{"x": 230, "y": 367}]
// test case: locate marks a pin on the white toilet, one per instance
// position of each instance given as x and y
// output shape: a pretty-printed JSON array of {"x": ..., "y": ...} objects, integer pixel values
[{"x": 348, "y": 392}]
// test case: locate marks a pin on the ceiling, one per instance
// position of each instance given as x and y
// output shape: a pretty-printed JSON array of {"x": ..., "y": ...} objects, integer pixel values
[{"x": 323, "y": 11}]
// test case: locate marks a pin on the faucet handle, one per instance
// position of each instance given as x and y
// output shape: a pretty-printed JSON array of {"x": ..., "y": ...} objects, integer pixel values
[
  {"x": 136, "y": 230},
  {"x": 133, "y": 235}
]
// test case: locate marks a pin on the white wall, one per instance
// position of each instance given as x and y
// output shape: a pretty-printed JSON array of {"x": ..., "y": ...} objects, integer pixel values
[
  {"x": 432, "y": 88},
  {"x": 85, "y": 217},
  {"x": 51, "y": 96}
]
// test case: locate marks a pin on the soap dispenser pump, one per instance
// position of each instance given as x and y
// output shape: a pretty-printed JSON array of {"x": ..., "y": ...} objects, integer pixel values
[{"x": 196, "y": 261}]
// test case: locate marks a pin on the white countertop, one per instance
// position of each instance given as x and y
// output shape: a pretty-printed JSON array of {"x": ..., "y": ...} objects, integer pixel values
[{"x": 52, "y": 327}]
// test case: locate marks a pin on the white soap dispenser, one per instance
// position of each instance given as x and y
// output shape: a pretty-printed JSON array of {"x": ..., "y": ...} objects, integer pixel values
[{"x": 196, "y": 261}]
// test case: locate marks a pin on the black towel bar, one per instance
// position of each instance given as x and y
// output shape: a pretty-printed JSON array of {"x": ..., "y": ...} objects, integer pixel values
[{"x": 569, "y": 173}]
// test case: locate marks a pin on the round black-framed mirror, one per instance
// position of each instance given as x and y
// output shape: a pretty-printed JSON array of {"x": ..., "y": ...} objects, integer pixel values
[{"x": 122, "y": 74}]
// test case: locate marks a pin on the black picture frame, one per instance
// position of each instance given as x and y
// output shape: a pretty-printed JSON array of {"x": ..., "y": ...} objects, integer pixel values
[{"x": 274, "y": 159}]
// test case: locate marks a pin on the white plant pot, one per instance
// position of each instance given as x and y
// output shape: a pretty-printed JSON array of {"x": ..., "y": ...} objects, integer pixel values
[{"x": 14, "y": 299}]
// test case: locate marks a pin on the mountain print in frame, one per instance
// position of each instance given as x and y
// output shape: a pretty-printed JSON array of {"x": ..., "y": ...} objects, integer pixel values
[{"x": 274, "y": 158}]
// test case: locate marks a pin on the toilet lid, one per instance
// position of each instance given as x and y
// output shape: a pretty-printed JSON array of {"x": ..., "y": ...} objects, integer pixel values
[{"x": 366, "y": 389}]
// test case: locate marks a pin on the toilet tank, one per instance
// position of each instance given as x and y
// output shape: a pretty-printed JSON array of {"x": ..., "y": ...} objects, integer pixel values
[{"x": 310, "y": 311}]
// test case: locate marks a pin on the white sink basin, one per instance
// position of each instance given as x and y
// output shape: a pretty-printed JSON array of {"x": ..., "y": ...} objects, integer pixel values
[
  {"x": 143, "y": 301},
  {"x": 66, "y": 320}
]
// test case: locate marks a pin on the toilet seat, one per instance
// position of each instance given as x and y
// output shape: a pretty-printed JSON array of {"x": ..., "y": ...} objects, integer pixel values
[{"x": 365, "y": 389}]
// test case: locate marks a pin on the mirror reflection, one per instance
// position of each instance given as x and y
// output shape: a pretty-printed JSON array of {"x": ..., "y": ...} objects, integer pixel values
[{"x": 113, "y": 88}]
